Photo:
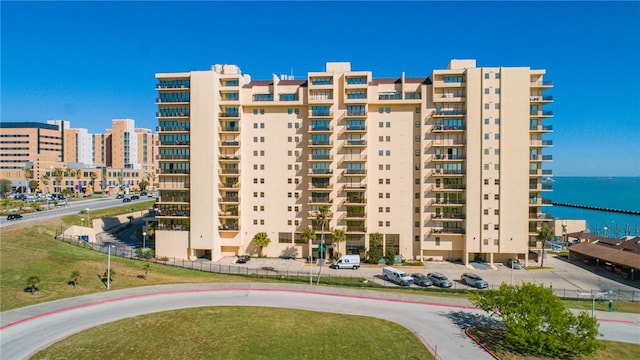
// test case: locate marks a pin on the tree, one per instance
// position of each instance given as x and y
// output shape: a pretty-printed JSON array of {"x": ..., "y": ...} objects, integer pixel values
[
  {"x": 338, "y": 237},
  {"x": 111, "y": 276},
  {"x": 33, "y": 185},
  {"x": 28, "y": 174},
  {"x": 323, "y": 216},
  {"x": 146, "y": 268},
  {"x": 93, "y": 177},
  {"x": 75, "y": 275},
  {"x": 261, "y": 239},
  {"x": 537, "y": 321},
  {"x": 375, "y": 247},
  {"x": 45, "y": 182},
  {"x": 5, "y": 187},
  {"x": 78, "y": 186},
  {"x": 143, "y": 185},
  {"x": 306, "y": 235},
  {"x": 32, "y": 282},
  {"x": 546, "y": 234},
  {"x": 58, "y": 173}
]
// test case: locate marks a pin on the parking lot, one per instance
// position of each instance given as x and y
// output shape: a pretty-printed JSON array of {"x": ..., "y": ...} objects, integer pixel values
[{"x": 564, "y": 277}]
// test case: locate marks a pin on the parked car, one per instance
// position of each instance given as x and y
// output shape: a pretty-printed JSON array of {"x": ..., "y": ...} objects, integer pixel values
[
  {"x": 143, "y": 193},
  {"x": 61, "y": 203},
  {"x": 242, "y": 259},
  {"x": 120, "y": 196},
  {"x": 396, "y": 276},
  {"x": 514, "y": 264},
  {"x": 440, "y": 280},
  {"x": 135, "y": 197},
  {"x": 126, "y": 199},
  {"x": 474, "y": 280},
  {"x": 421, "y": 280},
  {"x": 14, "y": 217}
]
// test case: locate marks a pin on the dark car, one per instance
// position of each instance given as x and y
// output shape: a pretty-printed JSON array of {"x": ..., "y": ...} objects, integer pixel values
[
  {"x": 144, "y": 193},
  {"x": 120, "y": 196},
  {"x": 14, "y": 217},
  {"x": 126, "y": 200},
  {"x": 135, "y": 197},
  {"x": 440, "y": 280},
  {"x": 421, "y": 280},
  {"x": 242, "y": 259}
]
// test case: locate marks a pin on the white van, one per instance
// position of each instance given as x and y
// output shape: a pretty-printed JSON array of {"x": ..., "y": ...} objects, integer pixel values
[
  {"x": 347, "y": 262},
  {"x": 396, "y": 276}
]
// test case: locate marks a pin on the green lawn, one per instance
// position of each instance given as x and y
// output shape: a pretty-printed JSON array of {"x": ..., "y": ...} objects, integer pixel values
[
  {"x": 494, "y": 340},
  {"x": 242, "y": 333}
]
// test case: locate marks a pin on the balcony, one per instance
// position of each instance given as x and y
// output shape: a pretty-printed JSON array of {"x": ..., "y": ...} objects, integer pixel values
[
  {"x": 321, "y": 128},
  {"x": 324, "y": 143},
  {"x": 262, "y": 97},
  {"x": 173, "y": 101},
  {"x": 447, "y": 202},
  {"x": 448, "y": 97},
  {"x": 229, "y": 199},
  {"x": 353, "y": 215},
  {"x": 321, "y": 81},
  {"x": 444, "y": 187},
  {"x": 320, "y": 157},
  {"x": 229, "y": 227},
  {"x": 545, "y": 113},
  {"x": 542, "y": 84},
  {"x": 449, "y": 157},
  {"x": 321, "y": 186},
  {"x": 441, "y": 172},
  {"x": 356, "y": 128},
  {"x": 449, "y": 217},
  {"x": 320, "y": 113},
  {"x": 440, "y": 128},
  {"x": 231, "y": 114},
  {"x": 172, "y": 113},
  {"x": 183, "y": 128},
  {"x": 320, "y": 172},
  {"x": 229, "y": 185},
  {"x": 539, "y": 128},
  {"x": 233, "y": 143},
  {"x": 356, "y": 229},
  {"x": 450, "y": 113},
  {"x": 354, "y": 96},
  {"x": 355, "y": 142},
  {"x": 182, "y": 84},
  {"x": 539, "y": 98},
  {"x": 320, "y": 200},
  {"x": 173, "y": 157},
  {"x": 229, "y": 171},
  {"x": 539, "y": 143},
  {"x": 229, "y": 129},
  {"x": 536, "y": 157},
  {"x": 390, "y": 96},
  {"x": 353, "y": 113},
  {"x": 355, "y": 172},
  {"x": 174, "y": 171},
  {"x": 229, "y": 158},
  {"x": 355, "y": 200}
]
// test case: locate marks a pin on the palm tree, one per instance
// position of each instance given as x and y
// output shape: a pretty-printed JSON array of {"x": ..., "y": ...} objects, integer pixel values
[
  {"x": 58, "y": 173},
  {"x": 78, "y": 177},
  {"x": 32, "y": 282},
  {"x": 146, "y": 268},
  {"x": 261, "y": 239},
  {"x": 45, "y": 182},
  {"x": 323, "y": 216},
  {"x": 338, "y": 237},
  {"x": 93, "y": 177},
  {"x": 75, "y": 275},
  {"x": 27, "y": 175},
  {"x": 546, "y": 234}
]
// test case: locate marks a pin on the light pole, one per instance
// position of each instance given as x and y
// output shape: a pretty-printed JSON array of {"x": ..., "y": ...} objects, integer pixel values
[
  {"x": 109, "y": 268},
  {"x": 593, "y": 299},
  {"x": 606, "y": 231},
  {"x": 144, "y": 240}
]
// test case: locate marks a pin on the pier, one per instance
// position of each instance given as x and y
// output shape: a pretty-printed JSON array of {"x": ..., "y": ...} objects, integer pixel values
[{"x": 621, "y": 211}]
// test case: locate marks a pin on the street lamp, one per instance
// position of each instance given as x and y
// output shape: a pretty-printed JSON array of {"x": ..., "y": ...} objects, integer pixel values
[
  {"x": 109, "y": 268},
  {"x": 144, "y": 239},
  {"x": 593, "y": 299},
  {"x": 606, "y": 231}
]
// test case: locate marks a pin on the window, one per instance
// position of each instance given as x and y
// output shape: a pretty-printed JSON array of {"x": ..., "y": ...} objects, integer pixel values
[
  {"x": 388, "y": 181},
  {"x": 486, "y": 91},
  {"x": 261, "y": 221},
  {"x": 496, "y": 166},
  {"x": 255, "y": 152},
  {"x": 388, "y": 152},
  {"x": 261, "y": 194},
  {"x": 485, "y": 241},
  {"x": 387, "y": 110},
  {"x": 289, "y": 222},
  {"x": 485, "y": 166},
  {"x": 289, "y": 167},
  {"x": 496, "y": 227},
  {"x": 496, "y": 182},
  {"x": 380, "y": 152},
  {"x": 486, "y": 181},
  {"x": 417, "y": 181},
  {"x": 296, "y": 222},
  {"x": 255, "y": 180},
  {"x": 288, "y": 208},
  {"x": 388, "y": 223},
  {"x": 255, "y": 139},
  {"x": 296, "y": 208},
  {"x": 497, "y": 75},
  {"x": 388, "y": 138},
  {"x": 388, "y": 166},
  {"x": 380, "y": 110},
  {"x": 261, "y": 207},
  {"x": 255, "y": 221},
  {"x": 497, "y": 105},
  {"x": 388, "y": 124},
  {"x": 380, "y": 181},
  {"x": 388, "y": 196},
  {"x": 418, "y": 112},
  {"x": 380, "y": 138},
  {"x": 486, "y": 106},
  {"x": 387, "y": 209},
  {"x": 417, "y": 138},
  {"x": 380, "y": 195},
  {"x": 255, "y": 166},
  {"x": 255, "y": 111},
  {"x": 496, "y": 242},
  {"x": 485, "y": 211},
  {"x": 261, "y": 125},
  {"x": 496, "y": 212},
  {"x": 289, "y": 195},
  {"x": 380, "y": 209},
  {"x": 380, "y": 223},
  {"x": 486, "y": 196},
  {"x": 261, "y": 180},
  {"x": 296, "y": 181},
  {"x": 289, "y": 111},
  {"x": 417, "y": 195},
  {"x": 261, "y": 111},
  {"x": 417, "y": 154},
  {"x": 381, "y": 124},
  {"x": 486, "y": 121},
  {"x": 497, "y": 151},
  {"x": 486, "y": 151},
  {"x": 417, "y": 124},
  {"x": 297, "y": 111},
  {"x": 486, "y": 226},
  {"x": 497, "y": 91},
  {"x": 289, "y": 138},
  {"x": 261, "y": 152},
  {"x": 261, "y": 138},
  {"x": 486, "y": 75},
  {"x": 496, "y": 136},
  {"x": 255, "y": 125},
  {"x": 255, "y": 207},
  {"x": 496, "y": 196},
  {"x": 255, "y": 194},
  {"x": 437, "y": 241},
  {"x": 416, "y": 210},
  {"x": 497, "y": 121},
  {"x": 486, "y": 136}
]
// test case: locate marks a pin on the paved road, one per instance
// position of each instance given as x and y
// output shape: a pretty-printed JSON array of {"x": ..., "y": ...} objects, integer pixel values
[{"x": 26, "y": 330}]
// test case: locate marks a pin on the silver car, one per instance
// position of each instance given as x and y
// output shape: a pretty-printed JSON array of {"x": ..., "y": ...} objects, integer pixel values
[
  {"x": 474, "y": 280},
  {"x": 440, "y": 280},
  {"x": 421, "y": 280}
]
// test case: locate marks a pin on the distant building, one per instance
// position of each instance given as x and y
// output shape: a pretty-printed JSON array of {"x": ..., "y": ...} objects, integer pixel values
[{"x": 447, "y": 166}]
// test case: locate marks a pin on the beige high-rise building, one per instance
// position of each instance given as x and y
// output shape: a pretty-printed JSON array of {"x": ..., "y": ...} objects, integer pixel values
[{"x": 441, "y": 167}]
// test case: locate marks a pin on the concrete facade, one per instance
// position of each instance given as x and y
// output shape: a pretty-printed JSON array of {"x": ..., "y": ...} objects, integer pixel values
[{"x": 447, "y": 166}]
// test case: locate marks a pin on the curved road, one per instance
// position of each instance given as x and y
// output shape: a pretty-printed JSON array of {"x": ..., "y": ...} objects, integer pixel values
[{"x": 27, "y": 330}]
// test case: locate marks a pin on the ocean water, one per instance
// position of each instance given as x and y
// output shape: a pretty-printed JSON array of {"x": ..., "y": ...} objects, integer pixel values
[{"x": 609, "y": 192}]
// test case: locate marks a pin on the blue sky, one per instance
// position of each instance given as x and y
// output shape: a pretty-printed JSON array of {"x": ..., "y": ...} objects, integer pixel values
[{"x": 90, "y": 62}]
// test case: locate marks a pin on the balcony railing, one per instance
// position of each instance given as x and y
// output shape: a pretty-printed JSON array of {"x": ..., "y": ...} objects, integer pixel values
[
  {"x": 356, "y": 171},
  {"x": 263, "y": 97},
  {"x": 321, "y": 127},
  {"x": 173, "y": 157},
  {"x": 449, "y": 216},
  {"x": 541, "y": 128},
  {"x": 321, "y": 171},
  {"x": 319, "y": 200},
  {"x": 320, "y": 113},
  {"x": 355, "y": 200},
  {"x": 356, "y": 229},
  {"x": 390, "y": 96},
  {"x": 356, "y": 142},
  {"x": 449, "y": 157},
  {"x": 230, "y": 143},
  {"x": 356, "y": 96},
  {"x": 451, "y": 112},
  {"x": 230, "y": 128},
  {"x": 230, "y": 227},
  {"x": 450, "y": 202},
  {"x": 449, "y": 128},
  {"x": 356, "y": 127},
  {"x": 229, "y": 114},
  {"x": 320, "y": 142},
  {"x": 449, "y": 172},
  {"x": 230, "y": 199},
  {"x": 174, "y": 171},
  {"x": 321, "y": 157},
  {"x": 356, "y": 113}
]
